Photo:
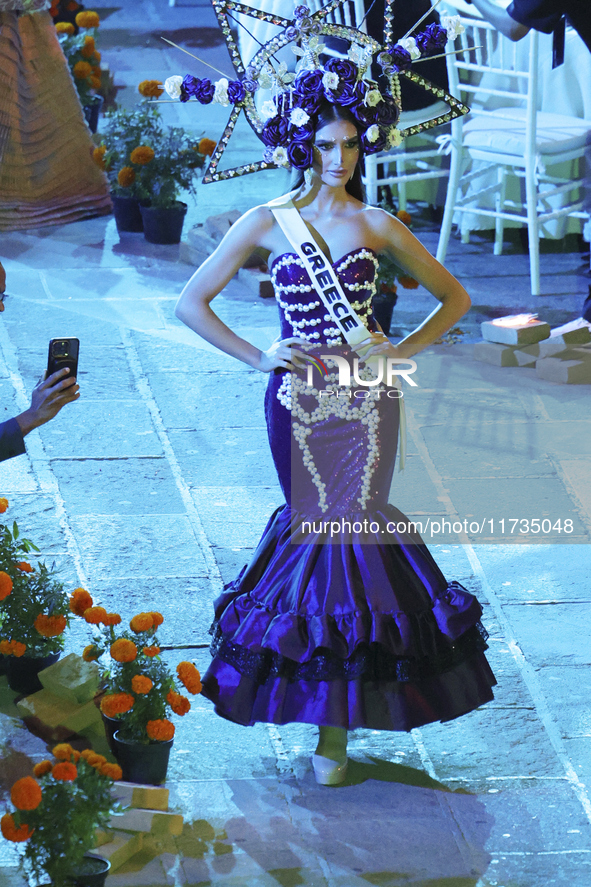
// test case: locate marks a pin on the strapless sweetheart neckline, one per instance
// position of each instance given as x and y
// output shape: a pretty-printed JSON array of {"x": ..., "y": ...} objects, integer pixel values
[{"x": 351, "y": 252}]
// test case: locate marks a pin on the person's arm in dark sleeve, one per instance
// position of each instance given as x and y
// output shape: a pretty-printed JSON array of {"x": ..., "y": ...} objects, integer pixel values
[
  {"x": 11, "y": 440},
  {"x": 504, "y": 22}
]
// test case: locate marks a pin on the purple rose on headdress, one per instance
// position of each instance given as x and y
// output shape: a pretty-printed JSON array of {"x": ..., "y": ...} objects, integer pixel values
[
  {"x": 401, "y": 57},
  {"x": 432, "y": 39},
  {"x": 189, "y": 87},
  {"x": 301, "y": 12},
  {"x": 346, "y": 70},
  {"x": 380, "y": 142},
  {"x": 303, "y": 133},
  {"x": 309, "y": 90},
  {"x": 365, "y": 115},
  {"x": 250, "y": 85},
  {"x": 388, "y": 111},
  {"x": 236, "y": 91},
  {"x": 300, "y": 154},
  {"x": 204, "y": 91},
  {"x": 275, "y": 132}
]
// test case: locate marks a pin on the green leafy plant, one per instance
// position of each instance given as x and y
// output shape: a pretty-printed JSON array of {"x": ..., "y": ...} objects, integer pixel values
[
  {"x": 34, "y": 610},
  {"x": 140, "y": 689},
  {"x": 145, "y": 159},
  {"x": 58, "y": 811}
]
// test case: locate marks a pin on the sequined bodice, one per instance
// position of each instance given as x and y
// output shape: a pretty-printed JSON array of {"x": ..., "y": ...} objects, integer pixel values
[{"x": 302, "y": 313}]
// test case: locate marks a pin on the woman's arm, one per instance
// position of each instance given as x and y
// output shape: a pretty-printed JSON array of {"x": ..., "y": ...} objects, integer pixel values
[
  {"x": 193, "y": 306},
  {"x": 410, "y": 254}
]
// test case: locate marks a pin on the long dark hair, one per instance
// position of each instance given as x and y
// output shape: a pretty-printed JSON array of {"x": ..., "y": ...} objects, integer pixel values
[{"x": 328, "y": 113}]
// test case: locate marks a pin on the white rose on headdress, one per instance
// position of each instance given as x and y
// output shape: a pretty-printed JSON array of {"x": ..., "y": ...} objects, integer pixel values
[
  {"x": 394, "y": 137},
  {"x": 330, "y": 80},
  {"x": 410, "y": 44},
  {"x": 221, "y": 92},
  {"x": 372, "y": 133},
  {"x": 268, "y": 110},
  {"x": 373, "y": 97},
  {"x": 298, "y": 117},
  {"x": 172, "y": 85},
  {"x": 452, "y": 25},
  {"x": 280, "y": 156}
]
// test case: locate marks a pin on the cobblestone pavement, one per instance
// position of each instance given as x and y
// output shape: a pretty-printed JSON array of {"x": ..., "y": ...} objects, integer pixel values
[{"x": 153, "y": 490}]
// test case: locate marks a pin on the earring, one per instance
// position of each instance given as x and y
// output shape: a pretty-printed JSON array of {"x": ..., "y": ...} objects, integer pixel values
[{"x": 308, "y": 175}]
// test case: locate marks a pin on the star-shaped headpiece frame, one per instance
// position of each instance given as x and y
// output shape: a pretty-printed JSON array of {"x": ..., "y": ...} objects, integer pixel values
[{"x": 286, "y": 126}]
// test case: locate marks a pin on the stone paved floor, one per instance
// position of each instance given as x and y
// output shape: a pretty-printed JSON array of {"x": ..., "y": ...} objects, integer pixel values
[{"x": 153, "y": 489}]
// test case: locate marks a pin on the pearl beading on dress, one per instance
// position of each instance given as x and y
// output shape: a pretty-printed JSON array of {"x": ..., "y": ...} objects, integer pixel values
[{"x": 364, "y": 411}]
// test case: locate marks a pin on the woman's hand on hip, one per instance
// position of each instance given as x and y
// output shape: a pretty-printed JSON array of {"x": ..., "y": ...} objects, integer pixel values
[
  {"x": 378, "y": 344},
  {"x": 282, "y": 355}
]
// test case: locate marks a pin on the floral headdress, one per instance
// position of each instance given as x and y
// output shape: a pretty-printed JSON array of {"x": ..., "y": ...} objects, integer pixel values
[{"x": 285, "y": 121}]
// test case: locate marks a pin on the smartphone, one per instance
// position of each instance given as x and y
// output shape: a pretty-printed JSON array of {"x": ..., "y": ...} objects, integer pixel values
[{"x": 63, "y": 353}]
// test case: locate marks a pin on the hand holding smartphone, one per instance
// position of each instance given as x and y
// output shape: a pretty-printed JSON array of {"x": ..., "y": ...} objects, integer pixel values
[{"x": 63, "y": 353}]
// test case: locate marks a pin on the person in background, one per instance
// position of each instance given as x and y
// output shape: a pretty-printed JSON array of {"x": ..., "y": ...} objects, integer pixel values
[
  {"x": 48, "y": 397},
  {"x": 541, "y": 15}
]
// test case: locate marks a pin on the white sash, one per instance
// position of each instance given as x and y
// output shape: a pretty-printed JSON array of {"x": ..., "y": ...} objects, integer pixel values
[{"x": 328, "y": 287}]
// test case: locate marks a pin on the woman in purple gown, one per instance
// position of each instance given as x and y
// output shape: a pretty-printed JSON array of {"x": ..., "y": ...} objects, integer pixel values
[{"x": 336, "y": 632}]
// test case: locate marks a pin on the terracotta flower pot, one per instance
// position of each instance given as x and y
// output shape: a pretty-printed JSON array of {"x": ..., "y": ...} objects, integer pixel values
[
  {"x": 163, "y": 225},
  {"x": 143, "y": 764},
  {"x": 22, "y": 672}
]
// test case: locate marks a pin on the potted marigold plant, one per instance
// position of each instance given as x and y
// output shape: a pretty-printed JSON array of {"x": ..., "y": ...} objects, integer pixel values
[
  {"x": 57, "y": 813},
  {"x": 140, "y": 689},
  {"x": 34, "y": 611},
  {"x": 78, "y": 42},
  {"x": 150, "y": 164}
]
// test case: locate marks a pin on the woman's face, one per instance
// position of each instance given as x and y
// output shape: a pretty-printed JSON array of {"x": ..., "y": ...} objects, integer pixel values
[{"x": 336, "y": 152}]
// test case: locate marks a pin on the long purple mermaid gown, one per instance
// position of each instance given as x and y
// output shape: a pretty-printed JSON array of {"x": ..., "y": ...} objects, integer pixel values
[{"x": 342, "y": 634}]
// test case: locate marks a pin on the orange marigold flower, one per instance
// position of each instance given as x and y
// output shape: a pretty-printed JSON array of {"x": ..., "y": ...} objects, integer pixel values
[
  {"x": 3, "y": 505},
  {"x": 95, "y": 82},
  {"x": 24, "y": 567},
  {"x": 161, "y": 729},
  {"x": 123, "y": 650},
  {"x": 72, "y": 6},
  {"x": 80, "y": 599},
  {"x": 87, "y": 19},
  {"x": 65, "y": 28},
  {"x": 82, "y": 70},
  {"x": 26, "y": 793},
  {"x": 96, "y": 761},
  {"x": 98, "y": 155},
  {"x": 112, "y": 619},
  {"x": 113, "y": 771},
  {"x": 12, "y": 648},
  {"x": 126, "y": 176},
  {"x": 5, "y": 585},
  {"x": 90, "y": 653},
  {"x": 409, "y": 283},
  {"x": 88, "y": 48},
  {"x": 151, "y": 651},
  {"x": 151, "y": 89},
  {"x": 96, "y": 58},
  {"x": 179, "y": 704},
  {"x": 95, "y": 615},
  {"x": 206, "y": 146},
  {"x": 141, "y": 683},
  {"x": 42, "y": 768},
  {"x": 141, "y": 622},
  {"x": 141, "y": 155},
  {"x": 116, "y": 704},
  {"x": 404, "y": 216},
  {"x": 189, "y": 676},
  {"x": 157, "y": 618},
  {"x": 65, "y": 772},
  {"x": 90, "y": 756},
  {"x": 63, "y": 751},
  {"x": 13, "y": 832},
  {"x": 50, "y": 626}
]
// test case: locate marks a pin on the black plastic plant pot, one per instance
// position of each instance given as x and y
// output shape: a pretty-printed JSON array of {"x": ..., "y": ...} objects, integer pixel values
[
  {"x": 22, "y": 672},
  {"x": 92, "y": 872},
  {"x": 92, "y": 111},
  {"x": 128, "y": 217},
  {"x": 163, "y": 225},
  {"x": 143, "y": 764}
]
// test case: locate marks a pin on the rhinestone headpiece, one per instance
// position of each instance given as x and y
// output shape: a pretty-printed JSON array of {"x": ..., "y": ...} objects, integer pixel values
[{"x": 285, "y": 120}]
